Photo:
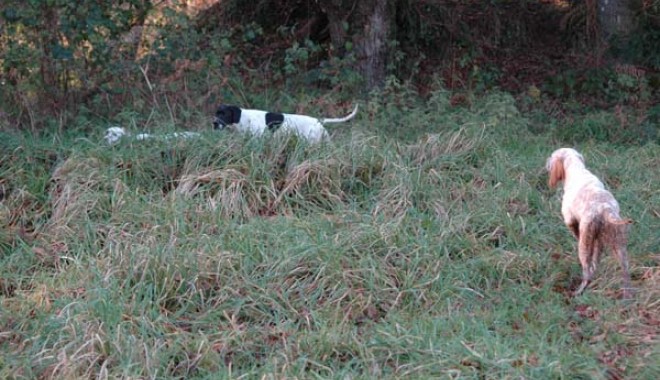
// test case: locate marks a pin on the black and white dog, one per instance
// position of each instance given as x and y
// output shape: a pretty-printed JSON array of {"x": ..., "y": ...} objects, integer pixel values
[{"x": 257, "y": 122}]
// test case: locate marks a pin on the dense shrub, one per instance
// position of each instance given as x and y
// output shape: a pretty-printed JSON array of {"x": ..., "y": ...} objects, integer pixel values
[{"x": 79, "y": 66}]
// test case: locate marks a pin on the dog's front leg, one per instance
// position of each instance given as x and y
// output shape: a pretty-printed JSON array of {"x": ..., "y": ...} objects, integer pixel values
[{"x": 574, "y": 227}]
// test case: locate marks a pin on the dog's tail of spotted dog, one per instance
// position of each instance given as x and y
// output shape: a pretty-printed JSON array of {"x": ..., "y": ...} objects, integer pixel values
[
  {"x": 341, "y": 119},
  {"x": 616, "y": 220}
]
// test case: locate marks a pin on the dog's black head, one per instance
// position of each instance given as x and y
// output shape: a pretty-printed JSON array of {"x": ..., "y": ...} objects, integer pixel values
[{"x": 226, "y": 115}]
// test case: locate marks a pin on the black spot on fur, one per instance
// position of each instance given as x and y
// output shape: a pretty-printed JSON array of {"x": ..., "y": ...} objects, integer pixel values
[
  {"x": 226, "y": 115},
  {"x": 274, "y": 121}
]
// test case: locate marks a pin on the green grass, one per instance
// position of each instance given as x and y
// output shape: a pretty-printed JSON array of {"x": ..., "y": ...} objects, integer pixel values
[{"x": 429, "y": 247}]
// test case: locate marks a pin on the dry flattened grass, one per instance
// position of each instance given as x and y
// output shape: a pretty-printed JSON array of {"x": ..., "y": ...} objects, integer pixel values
[
  {"x": 395, "y": 198},
  {"x": 228, "y": 190},
  {"x": 416, "y": 177},
  {"x": 433, "y": 146},
  {"x": 80, "y": 191},
  {"x": 275, "y": 181},
  {"x": 313, "y": 181},
  {"x": 18, "y": 212}
]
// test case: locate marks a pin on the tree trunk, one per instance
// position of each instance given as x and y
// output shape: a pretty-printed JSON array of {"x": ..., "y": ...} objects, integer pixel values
[
  {"x": 48, "y": 68},
  {"x": 371, "y": 41},
  {"x": 616, "y": 17},
  {"x": 369, "y": 22}
]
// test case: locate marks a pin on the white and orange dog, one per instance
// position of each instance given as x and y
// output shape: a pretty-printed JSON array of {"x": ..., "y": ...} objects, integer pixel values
[{"x": 591, "y": 214}]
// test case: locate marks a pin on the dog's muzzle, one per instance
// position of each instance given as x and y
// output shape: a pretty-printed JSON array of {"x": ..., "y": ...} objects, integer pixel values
[{"x": 219, "y": 123}]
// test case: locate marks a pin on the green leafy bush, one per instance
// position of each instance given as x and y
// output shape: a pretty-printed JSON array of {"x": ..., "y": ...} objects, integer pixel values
[{"x": 58, "y": 53}]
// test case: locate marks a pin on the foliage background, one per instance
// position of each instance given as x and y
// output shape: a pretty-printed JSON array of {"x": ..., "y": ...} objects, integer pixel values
[{"x": 67, "y": 66}]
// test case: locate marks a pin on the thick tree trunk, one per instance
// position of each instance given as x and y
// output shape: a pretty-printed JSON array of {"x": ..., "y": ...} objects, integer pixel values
[
  {"x": 616, "y": 17},
  {"x": 49, "y": 36},
  {"x": 369, "y": 28},
  {"x": 371, "y": 41}
]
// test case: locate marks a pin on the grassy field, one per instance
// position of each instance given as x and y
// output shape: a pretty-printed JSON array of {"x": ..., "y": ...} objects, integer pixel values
[{"x": 420, "y": 243}]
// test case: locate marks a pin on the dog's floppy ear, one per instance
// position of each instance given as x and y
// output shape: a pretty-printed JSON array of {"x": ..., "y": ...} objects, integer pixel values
[
  {"x": 556, "y": 171},
  {"x": 235, "y": 113},
  {"x": 226, "y": 115}
]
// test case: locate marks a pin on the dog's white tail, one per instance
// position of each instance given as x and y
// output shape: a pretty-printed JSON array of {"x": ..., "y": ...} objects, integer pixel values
[{"x": 341, "y": 119}]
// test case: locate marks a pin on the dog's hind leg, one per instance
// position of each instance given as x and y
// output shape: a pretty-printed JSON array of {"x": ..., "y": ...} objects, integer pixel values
[
  {"x": 618, "y": 244},
  {"x": 623, "y": 261},
  {"x": 586, "y": 246}
]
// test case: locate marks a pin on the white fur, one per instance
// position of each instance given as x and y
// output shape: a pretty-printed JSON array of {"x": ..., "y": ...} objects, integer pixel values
[
  {"x": 114, "y": 134},
  {"x": 577, "y": 180},
  {"x": 590, "y": 212},
  {"x": 308, "y": 127}
]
